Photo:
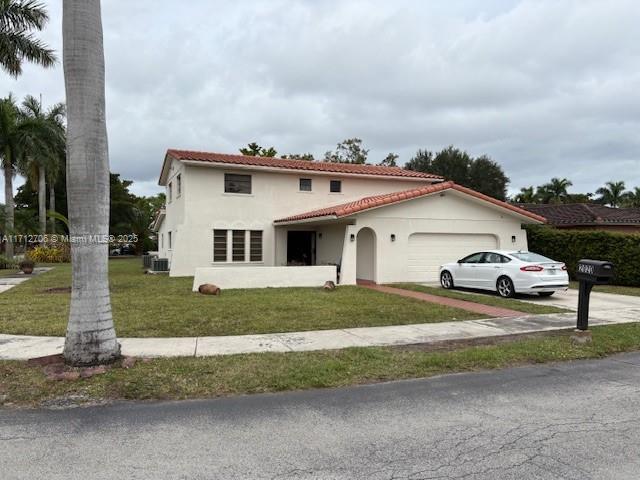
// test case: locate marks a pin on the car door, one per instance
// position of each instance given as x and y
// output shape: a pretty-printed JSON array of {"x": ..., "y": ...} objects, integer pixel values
[
  {"x": 467, "y": 271},
  {"x": 487, "y": 270}
]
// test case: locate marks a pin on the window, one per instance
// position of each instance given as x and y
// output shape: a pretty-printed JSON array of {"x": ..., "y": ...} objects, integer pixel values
[
  {"x": 162, "y": 241},
  {"x": 491, "y": 257},
  {"x": 169, "y": 192},
  {"x": 169, "y": 234},
  {"x": 255, "y": 246},
  {"x": 219, "y": 245},
  {"x": 335, "y": 186},
  {"x": 234, "y": 183},
  {"x": 475, "y": 258},
  {"x": 237, "y": 253},
  {"x": 530, "y": 257},
  {"x": 305, "y": 184},
  {"x": 179, "y": 185}
]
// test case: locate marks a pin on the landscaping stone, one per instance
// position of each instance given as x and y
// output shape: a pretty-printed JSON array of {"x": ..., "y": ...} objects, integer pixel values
[
  {"x": 48, "y": 360},
  {"x": 209, "y": 289},
  {"x": 329, "y": 285},
  {"x": 128, "y": 362},
  {"x": 91, "y": 371}
]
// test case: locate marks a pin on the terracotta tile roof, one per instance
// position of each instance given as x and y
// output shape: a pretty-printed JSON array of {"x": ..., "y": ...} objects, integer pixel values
[
  {"x": 338, "y": 168},
  {"x": 375, "y": 201},
  {"x": 584, "y": 214}
]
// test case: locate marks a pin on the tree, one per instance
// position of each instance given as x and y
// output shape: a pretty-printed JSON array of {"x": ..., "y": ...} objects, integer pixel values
[
  {"x": 9, "y": 150},
  {"x": 555, "y": 191},
  {"x": 526, "y": 195},
  {"x": 17, "y": 19},
  {"x": 487, "y": 177},
  {"x": 307, "y": 157},
  {"x": 255, "y": 150},
  {"x": 348, "y": 151},
  {"x": 91, "y": 337},
  {"x": 632, "y": 198},
  {"x": 421, "y": 162},
  {"x": 612, "y": 194},
  {"x": 390, "y": 160}
]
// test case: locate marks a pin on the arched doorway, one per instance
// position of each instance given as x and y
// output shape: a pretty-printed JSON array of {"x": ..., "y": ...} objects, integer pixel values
[{"x": 366, "y": 255}]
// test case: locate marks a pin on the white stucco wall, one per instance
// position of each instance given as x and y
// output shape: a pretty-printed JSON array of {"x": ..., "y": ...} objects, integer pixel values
[{"x": 262, "y": 277}]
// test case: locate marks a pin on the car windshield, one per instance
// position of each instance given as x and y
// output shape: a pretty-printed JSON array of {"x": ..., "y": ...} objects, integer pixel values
[{"x": 530, "y": 257}]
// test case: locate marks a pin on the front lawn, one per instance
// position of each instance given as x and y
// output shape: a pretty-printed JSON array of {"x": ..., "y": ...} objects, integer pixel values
[
  {"x": 486, "y": 299},
  {"x": 617, "y": 289},
  {"x": 182, "y": 378},
  {"x": 159, "y": 306}
]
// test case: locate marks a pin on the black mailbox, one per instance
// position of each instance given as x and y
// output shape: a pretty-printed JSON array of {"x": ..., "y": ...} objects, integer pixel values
[
  {"x": 596, "y": 272},
  {"x": 590, "y": 273}
]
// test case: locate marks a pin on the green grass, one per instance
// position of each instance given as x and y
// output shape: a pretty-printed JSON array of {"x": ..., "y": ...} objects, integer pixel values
[
  {"x": 485, "y": 299},
  {"x": 617, "y": 289},
  {"x": 159, "y": 306},
  {"x": 182, "y": 378},
  {"x": 7, "y": 272}
]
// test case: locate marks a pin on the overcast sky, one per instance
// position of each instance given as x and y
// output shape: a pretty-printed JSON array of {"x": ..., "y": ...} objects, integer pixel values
[{"x": 546, "y": 88}]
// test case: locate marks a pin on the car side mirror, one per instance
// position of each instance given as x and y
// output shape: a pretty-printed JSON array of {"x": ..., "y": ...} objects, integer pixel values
[{"x": 459, "y": 261}]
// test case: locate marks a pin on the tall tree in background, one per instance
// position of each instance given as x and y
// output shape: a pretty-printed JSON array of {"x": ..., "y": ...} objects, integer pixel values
[
  {"x": 391, "y": 160},
  {"x": 612, "y": 194},
  {"x": 255, "y": 150},
  {"x": 9, "y": 152},
  {"x": 632, "y": 198},
  {"x": 526, "y": 195},
  {"x": 348, "y": 151},
  {"x": 91, "y": 337},
  {"x": 556, "y": 191},
  {"x": 18, "y": 18},
  {"x": 487, "y": 176},
  {"x": 307, "y": 157}
]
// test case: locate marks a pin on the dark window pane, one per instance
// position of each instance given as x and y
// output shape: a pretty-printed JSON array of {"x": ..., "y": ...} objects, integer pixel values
[
  {"x": 475, "y": 258},
  {"x": 255, "y": 246},
  {"x": 305, "y": 184},
  {"x": 219, "y": 245},
  {"x": 335, "y": 186},
  {"x": 237, "y": 254},
  {"x": 237, "y": 183}
]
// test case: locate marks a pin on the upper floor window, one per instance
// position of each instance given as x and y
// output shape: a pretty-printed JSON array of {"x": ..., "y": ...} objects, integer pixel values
[
  {"x": 179, "y": 185},
  {"x": 305, "y": 184},
  {"x": 234, "y": 183},
  {"x": 169, "y": 240},
  {"x": 169, "y": 192},
  {"x": 335, "y": 186}
]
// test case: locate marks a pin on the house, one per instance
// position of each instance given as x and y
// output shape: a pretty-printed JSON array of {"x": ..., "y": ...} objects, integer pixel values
[
  {"x": 588, "y": 216},
  {"x": 253, "y": 221}
]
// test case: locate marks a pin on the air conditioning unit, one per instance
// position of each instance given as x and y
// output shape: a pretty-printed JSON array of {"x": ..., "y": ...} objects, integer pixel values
[
  {"x": 160, "y": 264},
  {"x": 146, "y": 260}
]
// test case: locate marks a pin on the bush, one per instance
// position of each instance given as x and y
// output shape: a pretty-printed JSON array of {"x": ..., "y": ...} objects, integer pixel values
[
  {"x": 49, "y": 254},
  {"x": 569, "y": 246},
  {"x": 7, "y": 263}
]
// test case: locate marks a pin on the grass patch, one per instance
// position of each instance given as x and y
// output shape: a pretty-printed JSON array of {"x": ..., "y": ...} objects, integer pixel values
[
  {"x": 617, "y": 289},
  {"x": 182, "y": 378},
  {"x": 7, "y": 272},
  {"x": 160, "y": 306},
  {"x": 485, "y": 299}
]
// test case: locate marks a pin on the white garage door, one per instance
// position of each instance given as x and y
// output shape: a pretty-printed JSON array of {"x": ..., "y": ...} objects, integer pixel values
[{"x": 427, "y": 251}]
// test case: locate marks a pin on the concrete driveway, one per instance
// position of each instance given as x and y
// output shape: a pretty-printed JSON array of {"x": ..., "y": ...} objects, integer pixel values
[{"x": 600, "y": 302}]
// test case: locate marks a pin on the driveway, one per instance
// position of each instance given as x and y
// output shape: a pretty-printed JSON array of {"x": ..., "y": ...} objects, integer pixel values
[
  {"x": 572, "y": 421},
  {"x": 600, "y": 302}
]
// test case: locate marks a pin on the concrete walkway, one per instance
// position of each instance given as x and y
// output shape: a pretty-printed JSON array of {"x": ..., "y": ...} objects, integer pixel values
[{"x": 17, "y": 347}]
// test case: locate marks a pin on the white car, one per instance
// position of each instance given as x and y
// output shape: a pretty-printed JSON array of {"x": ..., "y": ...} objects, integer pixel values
[{"x": 506, "y": 272}]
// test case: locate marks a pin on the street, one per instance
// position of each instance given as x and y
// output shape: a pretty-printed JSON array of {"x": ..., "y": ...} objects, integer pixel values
[{"x": 577, "y": 420}]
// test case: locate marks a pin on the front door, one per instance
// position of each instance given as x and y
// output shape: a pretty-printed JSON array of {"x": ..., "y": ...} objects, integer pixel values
[{"x": 301, "y": 248}]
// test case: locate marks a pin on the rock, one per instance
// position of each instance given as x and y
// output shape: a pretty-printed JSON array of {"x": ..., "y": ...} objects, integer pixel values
[
  {"x": 128, "y": 362},
  {"x": 209, "y": 289},
  {"x": 329, "y": 285},
  {"x": 69, "y": 375},
  {"x": 91, "y": 371},
  {"x": 48, "y": 360}
]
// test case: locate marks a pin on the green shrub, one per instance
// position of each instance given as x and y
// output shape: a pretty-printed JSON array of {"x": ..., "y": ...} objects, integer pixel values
[
  {"x": 6, "y": 263},
  {"x": 569, "y": 246}
]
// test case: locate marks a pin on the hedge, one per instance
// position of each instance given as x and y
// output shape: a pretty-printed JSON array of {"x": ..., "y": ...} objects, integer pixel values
[{"x": 569, "y": 246}]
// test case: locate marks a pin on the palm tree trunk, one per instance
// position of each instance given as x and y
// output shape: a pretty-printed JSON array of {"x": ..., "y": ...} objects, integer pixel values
[
  {"x": 52, "y": 206},
  {"x": 42, "y": 201},
  {"x": 8, "y": 205},
  {"x": 91, "y": 337}
]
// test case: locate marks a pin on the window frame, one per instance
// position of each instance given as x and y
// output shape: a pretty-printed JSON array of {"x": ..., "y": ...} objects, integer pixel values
[
  {"x": 170, "y": 247},
  {"x": 170, "y": 192},
  {"x": 335, "y": 182},
  {"x": 178, "y": 185},
  {"x": 480, "y": 259},
  {"x": 310, "y": 189},
  {"x": 225, "y": 245},
  {"x": 227, "y": 182},
  {"x": 241, "y": 247},
  {"x": 259, "y": 242}
]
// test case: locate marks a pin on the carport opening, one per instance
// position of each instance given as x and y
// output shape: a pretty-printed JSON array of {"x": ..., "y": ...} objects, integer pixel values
[{"x": 366, "y": 256}]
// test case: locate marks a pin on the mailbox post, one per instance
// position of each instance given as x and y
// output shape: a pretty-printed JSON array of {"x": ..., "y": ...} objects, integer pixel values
[{"x": 590, "y": 273}]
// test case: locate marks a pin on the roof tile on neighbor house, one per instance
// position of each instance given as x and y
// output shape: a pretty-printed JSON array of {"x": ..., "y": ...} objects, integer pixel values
[
  {"x": 584, "y": 214},
  {"x": 350, "y": 208},
  {"x": 311, "y": 166}
]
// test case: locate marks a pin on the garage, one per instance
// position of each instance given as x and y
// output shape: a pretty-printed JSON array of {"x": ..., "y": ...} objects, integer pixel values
[{"x": 427, "y": 251}]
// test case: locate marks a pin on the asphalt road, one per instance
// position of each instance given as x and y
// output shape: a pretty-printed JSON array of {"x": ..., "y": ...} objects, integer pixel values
[{"x": 576, "y": 420}]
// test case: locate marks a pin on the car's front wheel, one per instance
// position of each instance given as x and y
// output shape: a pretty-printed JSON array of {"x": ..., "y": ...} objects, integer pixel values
[
  {"x": 446, "y": 280},
  {"x": 505, "y": 287}
]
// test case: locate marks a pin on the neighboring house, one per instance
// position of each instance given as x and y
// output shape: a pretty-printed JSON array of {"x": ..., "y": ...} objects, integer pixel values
[
  {"x": 382, "y": 224},
  {"x": 588, "y": 216}
]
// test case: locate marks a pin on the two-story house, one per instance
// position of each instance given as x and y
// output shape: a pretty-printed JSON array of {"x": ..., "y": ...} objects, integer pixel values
[{"x": 381, "y": 224}]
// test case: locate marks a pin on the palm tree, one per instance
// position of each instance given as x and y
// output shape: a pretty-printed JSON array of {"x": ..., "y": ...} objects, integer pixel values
[
  {"x": 9, "y": 150},
  {"x": 91, "y": 337},
  {"x": 555, "y": 191},
  {"x": 42, "y": 140},
  {"x": 526, "y": 195},
  {"x": 17, "y": 19},
  {"x": 632, "y": 198},
  {"x": 611, "y": 194}
]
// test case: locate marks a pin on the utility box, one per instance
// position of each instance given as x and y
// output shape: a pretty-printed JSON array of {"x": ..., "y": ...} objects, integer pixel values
[
  {"x": 590, "y": 273},
  {"x": 146, "y": 260},
  {"x": 160, "y": 264}
]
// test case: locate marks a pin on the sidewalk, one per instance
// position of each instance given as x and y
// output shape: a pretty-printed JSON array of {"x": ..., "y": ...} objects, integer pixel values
[{"x": 17, "y": 347}]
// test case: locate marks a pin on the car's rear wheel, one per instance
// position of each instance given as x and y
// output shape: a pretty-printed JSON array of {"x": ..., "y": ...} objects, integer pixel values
[
  {"x": 446, "y": 280},
  {"x": 546, "y": 294},
  {"x": 505, "y": 288}
]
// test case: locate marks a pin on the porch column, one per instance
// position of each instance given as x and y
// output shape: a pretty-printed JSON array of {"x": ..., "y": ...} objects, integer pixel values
[{"x": 349, "y": 257}]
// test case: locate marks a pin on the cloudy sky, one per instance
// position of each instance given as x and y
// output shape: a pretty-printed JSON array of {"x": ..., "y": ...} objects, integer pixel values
[{"x": 546, "y": 88}]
